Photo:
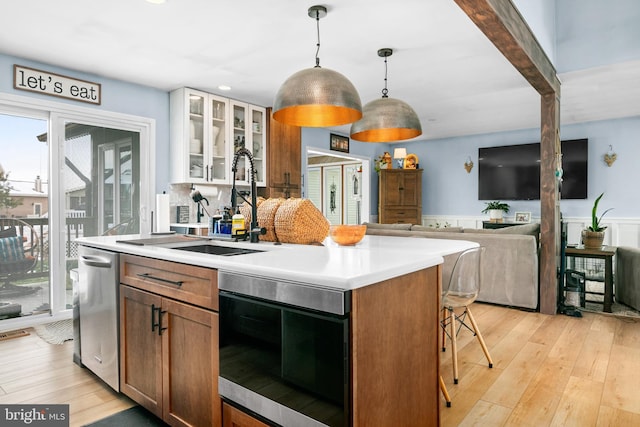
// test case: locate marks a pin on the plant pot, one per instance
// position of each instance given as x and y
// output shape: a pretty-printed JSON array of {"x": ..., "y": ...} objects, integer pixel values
[
  {"x": 592, "y": 239},
  {"x": 495, "y": 215}
]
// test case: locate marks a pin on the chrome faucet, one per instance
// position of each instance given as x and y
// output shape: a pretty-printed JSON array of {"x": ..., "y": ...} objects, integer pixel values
[{"x": 254, "y": 230}]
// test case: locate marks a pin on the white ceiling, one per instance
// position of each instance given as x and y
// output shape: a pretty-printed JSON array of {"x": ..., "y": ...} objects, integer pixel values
[{"x": 442, "y": 65}]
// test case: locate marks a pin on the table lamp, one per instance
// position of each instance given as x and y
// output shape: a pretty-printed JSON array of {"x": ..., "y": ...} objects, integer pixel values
[{"x": 399, "y": 154}]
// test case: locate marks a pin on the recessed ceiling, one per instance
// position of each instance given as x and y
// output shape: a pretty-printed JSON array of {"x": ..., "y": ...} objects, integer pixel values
[{"x": 442, "y": 65}]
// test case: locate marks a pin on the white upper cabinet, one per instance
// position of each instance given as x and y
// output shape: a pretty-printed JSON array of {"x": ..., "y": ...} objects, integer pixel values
[
  {"x": 248, "y": 131},
  {"x": 206, "y": 131}
]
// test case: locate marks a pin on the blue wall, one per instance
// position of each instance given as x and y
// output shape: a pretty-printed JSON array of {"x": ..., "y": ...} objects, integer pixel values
[
  {"x": 117, "y": 96},
  {"x": 593, "y": 33},
  {"x": 449, "y": 190},
  {"x": 541, "y": 18}
]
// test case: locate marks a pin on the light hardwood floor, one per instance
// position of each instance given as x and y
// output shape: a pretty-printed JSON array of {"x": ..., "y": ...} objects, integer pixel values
[
  {"x": 35, "y": 372},
  {"x": 548, "y": 371}
]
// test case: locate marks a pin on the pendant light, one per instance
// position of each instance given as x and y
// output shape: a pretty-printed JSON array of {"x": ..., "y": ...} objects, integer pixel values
[
  {"x": 386, "y": 119},
  {"x": 317, "y": 97}
]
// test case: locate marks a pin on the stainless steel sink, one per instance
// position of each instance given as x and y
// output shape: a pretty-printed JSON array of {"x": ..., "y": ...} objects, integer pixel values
[{"x": 217, "y": 250}]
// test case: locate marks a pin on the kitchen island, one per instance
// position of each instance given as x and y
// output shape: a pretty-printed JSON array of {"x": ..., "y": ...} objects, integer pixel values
[{"x": 391, "y": 289}]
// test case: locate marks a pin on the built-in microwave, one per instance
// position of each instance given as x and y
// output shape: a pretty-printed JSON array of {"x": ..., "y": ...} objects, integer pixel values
[{"x": 280, "y": 358}]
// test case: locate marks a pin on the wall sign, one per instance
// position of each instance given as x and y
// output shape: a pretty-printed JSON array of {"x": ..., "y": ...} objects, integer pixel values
[{"x": 33, "y": 80}]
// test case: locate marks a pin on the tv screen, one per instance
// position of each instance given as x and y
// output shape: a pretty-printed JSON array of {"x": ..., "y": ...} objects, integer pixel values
[{"x": 512, "y": 172}]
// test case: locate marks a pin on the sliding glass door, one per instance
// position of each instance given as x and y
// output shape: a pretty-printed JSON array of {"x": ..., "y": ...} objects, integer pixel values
[
  {"x": 64, "y": 176},
  {"x": 24, "y": 217}
]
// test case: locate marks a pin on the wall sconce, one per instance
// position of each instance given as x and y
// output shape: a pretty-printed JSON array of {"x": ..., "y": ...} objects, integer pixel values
[
  {"x": 399, "y": 154},
  {"x": 610, "y": 157},
  {"x": 468, "y": 165}
]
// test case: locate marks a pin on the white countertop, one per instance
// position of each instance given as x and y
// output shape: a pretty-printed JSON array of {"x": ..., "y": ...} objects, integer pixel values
[
  {"x": 374, "y": 259},
  {"x": 190, "y": 224}
]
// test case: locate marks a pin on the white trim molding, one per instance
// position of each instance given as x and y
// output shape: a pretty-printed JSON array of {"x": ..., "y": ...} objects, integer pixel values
[{"x": 619, "y": 232}]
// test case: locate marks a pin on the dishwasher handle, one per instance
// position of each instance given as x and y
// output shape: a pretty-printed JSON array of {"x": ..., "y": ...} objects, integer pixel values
[{"x": 96, "y": 261}]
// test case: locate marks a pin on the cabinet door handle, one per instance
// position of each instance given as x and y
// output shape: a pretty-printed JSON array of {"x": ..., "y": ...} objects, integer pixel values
[
  {"x": 153, "y": 317},
  {"x": 160, "y": 279},
  {"x": 160, "y": 328},
  {"x": 210, "y": 172}
]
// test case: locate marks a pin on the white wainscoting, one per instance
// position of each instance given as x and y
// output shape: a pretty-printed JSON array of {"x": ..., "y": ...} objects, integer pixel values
[{"x": 619, "y": 232}]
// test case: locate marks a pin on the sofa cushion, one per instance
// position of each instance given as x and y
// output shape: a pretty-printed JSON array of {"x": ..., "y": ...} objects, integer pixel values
[
  {"x": 442, "y": 230},
  {"x": 376, "y": 226}
]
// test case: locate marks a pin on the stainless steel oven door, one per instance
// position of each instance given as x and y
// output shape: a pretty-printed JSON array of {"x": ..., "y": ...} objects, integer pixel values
[{"x": 286, "y": 363}]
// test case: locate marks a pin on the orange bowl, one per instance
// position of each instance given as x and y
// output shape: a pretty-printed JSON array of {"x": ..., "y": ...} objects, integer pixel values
[{"x": 347, "y": 235}]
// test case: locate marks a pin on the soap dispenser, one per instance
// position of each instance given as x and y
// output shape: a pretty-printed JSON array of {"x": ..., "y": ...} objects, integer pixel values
[{"x": 237, "y": 223}]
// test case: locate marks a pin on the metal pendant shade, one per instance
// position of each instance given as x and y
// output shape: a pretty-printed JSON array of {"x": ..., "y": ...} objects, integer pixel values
[
  {"x": 386, "y": 119},
  {"x": 317, "y": 97}
]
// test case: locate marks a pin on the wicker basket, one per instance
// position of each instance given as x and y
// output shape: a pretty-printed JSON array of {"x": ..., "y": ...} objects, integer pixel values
[
  {"x": 299, "y": 221},
  {"x": 245, "y": 210},
  {"x": 266, "y": 218}
]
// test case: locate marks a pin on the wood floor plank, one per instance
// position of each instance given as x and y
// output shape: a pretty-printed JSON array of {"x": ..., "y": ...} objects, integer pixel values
[
  {"x": 540, "y": 399},
  {"x": 569, "y": 344},
  {"x": 486, "y": 414},
  {"x": 576, "y": 407},
  {"x": 623, "y": 379},
  {"x": 466, "y": 394},
  {"x": 627, "y": 334},
  {"x": 610, "y": 417},
  {"x": 593, "y": 360},
  {"x": 515, "y": 378}
]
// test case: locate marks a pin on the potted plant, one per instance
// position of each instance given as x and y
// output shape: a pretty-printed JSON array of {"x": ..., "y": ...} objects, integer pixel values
[
  {"x": 593, "y": 236},
  {"x": 496, "y": 209}
]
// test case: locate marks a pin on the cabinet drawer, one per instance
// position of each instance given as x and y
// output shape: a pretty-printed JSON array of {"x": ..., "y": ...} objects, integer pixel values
[
  {"x": 187, "y": 283},
  {"x": 233, "y": 417},
  {"x": 401, "y": 216}
]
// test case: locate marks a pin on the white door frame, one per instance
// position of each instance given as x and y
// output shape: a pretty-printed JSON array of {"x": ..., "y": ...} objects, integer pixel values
[{"x": 365, "y": 207}]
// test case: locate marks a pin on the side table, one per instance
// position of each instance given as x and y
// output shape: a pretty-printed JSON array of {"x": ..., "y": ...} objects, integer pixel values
[{"x": 606, "y": 253}]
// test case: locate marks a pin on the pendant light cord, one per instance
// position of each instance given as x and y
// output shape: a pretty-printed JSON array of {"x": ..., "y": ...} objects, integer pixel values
[
  {"x": 385, "y": 91},
  {"x": 318, "y": 44}
]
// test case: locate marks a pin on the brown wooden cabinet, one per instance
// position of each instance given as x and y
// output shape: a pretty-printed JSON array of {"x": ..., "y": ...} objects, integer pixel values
[
  {"x": 400, "y": 196},
  {"x": 169, "y": 348},
  {"x": 284, "y": 170}
]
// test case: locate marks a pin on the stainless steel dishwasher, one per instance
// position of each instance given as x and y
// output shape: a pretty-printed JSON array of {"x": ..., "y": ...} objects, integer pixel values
[{"x": 98, "y": 308}]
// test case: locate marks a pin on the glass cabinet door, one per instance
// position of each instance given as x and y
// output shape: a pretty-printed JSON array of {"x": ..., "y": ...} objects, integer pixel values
[
  {"x": 196, "y": 136},
  {"x": 239, "y": 117},
  {"x": 258, "y": 142},
  {"x": 219, "y": 166}
]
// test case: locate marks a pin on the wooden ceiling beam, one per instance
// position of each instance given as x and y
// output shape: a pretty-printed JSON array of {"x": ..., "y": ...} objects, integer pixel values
[{"x": 503, "y": 25}]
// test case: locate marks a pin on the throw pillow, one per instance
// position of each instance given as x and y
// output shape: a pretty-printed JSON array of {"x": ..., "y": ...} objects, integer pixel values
[{"x": 11, "y": 249}]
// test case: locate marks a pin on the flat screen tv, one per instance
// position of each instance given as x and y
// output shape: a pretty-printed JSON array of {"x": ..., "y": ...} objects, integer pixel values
[{"x": 512, "y": 172}]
